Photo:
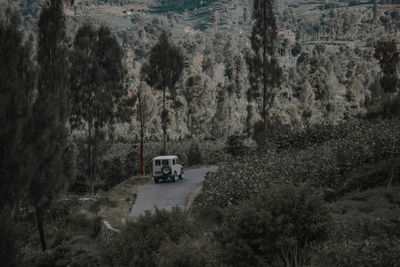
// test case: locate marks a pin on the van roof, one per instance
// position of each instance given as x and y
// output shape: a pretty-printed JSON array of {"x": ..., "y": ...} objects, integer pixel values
[{"x": 165, "y": 157}]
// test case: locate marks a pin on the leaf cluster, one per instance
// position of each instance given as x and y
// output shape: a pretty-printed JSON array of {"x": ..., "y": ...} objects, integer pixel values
[
  {"x": 97, "y": 77},
  {"x": 164, "y": 66},
  {"x": 140, "y": 242},
  {"x": 264, "y": 227},
  {"x": 357, "y": 160}
]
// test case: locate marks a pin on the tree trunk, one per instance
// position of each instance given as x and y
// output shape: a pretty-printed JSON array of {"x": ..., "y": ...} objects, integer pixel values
[
  {"x": 90, "y": 158},
  {"x": 94, "y": 157},
  {"x": 141, "y": 137},
  {"x": 164, "y": 124},
  {"x": 39, "y": 220},
  {"x": 265, "y": 78}
]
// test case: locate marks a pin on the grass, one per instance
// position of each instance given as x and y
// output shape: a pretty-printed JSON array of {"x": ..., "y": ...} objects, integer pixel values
[
  {"x": 116, "y": 204},
  {"x": 73, "y": 224}
]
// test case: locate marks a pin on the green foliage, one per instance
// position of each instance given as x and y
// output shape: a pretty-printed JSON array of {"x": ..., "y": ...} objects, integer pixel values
[
  {"x": 140, "y": 242},
  {"x": 388, "y": 57},
  {"x": 391, "y": 108},
  {"x": 50, "y": 109},
  {"x": 187, "y": 252},
  {"x": 162, "y": 70},
  {"x": 366, "y": 229},
  {"x": 17, "y": 75},
  {"x": 235, "y": 145},
  {"x": 8, "y": 237},
  {"x": 50, "y": 143},
  {"x": 97, "y": 78},
  {"x": 264, "y": 71},
  {"x": 264, "y": 227},
  {"x": 385, "y": 107},
  {"x": 99, "y": 96},
  {"x": 112, "y": 172},
  {"x": 63, "y": 255},
  {"x": 194, "y": 156},
  {"x": 366, "y": 155}
]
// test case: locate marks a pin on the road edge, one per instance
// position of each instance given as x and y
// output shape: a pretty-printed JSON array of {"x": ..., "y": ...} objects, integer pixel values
[{"x": 193, "y": 195}]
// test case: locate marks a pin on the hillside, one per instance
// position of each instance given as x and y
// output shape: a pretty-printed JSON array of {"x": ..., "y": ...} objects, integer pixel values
[
  {"x": 324, "y": 49},
  {"x": 313, "y": 181}
]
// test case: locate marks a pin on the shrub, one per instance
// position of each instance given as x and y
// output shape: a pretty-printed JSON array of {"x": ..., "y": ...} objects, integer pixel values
[
  {"x": 194, "y": 156},
  {"x": 362, "y": 252},
  {"x": 262, "y": 228},
  {"x": 391, "y": 107},
  {"x": 340, "y": 159},
  {"x": 259, "y": 133},
  {"x": 63, "y": 255},
  {"x": 191, "y": 252},
  {"x": 139, "y": 243},
  {"x": 365, "y": 242},
  {"x": 235, "y": 145},
  {"x": 112, "y": 172},
  {"x": 8, "y": 237}
]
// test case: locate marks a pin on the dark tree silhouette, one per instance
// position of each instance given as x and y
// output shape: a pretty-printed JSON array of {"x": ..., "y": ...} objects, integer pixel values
[
  {"x": 17, "y": 76},
  {"x": 264, "y": 71},
  {"x": 52, "y": 153},
  {"x": 99, "y": 95},
  {"x": 388, "y": 57},
  {"x": 162, "y": 70}
]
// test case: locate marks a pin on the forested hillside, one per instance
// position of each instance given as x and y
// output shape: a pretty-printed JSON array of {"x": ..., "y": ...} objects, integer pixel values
[
  {"x": 297, "y": 102},
  {"x": 322, "y": 49}
]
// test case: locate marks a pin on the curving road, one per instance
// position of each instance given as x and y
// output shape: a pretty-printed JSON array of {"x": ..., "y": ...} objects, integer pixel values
[{"x": 167, "y": 195}]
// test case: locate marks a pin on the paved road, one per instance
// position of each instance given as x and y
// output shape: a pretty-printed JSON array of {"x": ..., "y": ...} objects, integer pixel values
[{"x": 167, "y": 195}]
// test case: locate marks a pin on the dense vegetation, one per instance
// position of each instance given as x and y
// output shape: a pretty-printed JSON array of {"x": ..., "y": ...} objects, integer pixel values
[{"x": 309, "y": 164}]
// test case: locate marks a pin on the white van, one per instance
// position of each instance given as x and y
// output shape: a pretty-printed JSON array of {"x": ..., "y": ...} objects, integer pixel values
[{"x": 167, "y": 167}]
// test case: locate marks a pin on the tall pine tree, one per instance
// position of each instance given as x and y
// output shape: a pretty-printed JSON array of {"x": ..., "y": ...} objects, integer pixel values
[
  {"x": 264, "y": 71},
  {"x": 17, "y": 76},
  {"x": 99, "y": 94},
  {"x": 52, "y": 153},
  {"x": 162, "y": 71}
]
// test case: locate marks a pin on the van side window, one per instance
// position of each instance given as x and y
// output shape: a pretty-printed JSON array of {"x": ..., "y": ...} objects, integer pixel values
[
  {"x": 165, "y": 162},
  {"x": 158, "y": 162},
  {"x": 173, "y": 162}
]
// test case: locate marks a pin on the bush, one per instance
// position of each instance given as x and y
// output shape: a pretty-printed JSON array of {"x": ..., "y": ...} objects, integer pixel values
[
  {"x": 235, "y": 145},
  {"x": 191, "y": 252},
  {"x": 358, "y": 157},
  {"x": 90, "y": 224},
  {"x": 112, "y": 172},
  {"x": 264, "y": 227},
  {"x": 194, "y": 156},
  {"x": 365, "y": 242},
  {"x": 8, "y": 237},
  {"x": 362, "y": 252},
  {"x": 63, "y": 255},
  {"x": 140, "y": 242},
  {"x": 391, "y": 108}
]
